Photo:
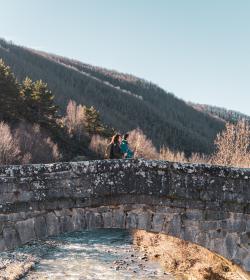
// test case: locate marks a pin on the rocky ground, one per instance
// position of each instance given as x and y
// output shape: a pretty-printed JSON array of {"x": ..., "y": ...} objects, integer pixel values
[
  {"x": 185, "y": 260},
  {"x": 16, "y": 264}
]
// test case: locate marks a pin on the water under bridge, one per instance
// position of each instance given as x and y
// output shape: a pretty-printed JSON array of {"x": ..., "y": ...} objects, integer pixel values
[{"x": 206, "y": 205}]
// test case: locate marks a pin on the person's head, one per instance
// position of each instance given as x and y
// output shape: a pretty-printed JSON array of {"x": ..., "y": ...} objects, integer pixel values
[
  {"x": 116, "y": 138},
  {"x": 126, "y": 136}
]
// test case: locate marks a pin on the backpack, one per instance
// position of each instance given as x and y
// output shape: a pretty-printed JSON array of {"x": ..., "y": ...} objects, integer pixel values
[{"x": 109, "y": 151}]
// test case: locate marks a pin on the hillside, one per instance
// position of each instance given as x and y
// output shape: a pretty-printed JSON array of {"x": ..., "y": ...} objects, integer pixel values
[
  {"x": 220, "y": 113},
  {"x": 124, "y": 101}
]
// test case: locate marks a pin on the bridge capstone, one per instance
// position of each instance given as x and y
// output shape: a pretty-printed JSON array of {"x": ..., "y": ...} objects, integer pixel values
[{"x": 206, "y": 205}]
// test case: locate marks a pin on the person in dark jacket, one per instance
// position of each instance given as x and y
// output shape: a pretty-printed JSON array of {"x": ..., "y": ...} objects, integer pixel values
[
  {"x": 127, "y": 152},
  {"x": 113, "y": 150}
]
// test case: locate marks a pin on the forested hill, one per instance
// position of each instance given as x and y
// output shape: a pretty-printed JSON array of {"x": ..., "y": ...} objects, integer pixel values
[
  {"x": 221, "y": 113},
  {"x": 124, "y": 101}
]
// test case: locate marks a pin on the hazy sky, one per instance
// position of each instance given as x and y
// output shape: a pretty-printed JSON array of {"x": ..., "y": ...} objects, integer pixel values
[{"x": 197, "y": 49}]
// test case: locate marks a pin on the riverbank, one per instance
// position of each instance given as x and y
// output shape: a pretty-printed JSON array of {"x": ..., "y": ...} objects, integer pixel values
[
  {"x": 92, "y": 254},
  {"x": 185, "y": 260},
  {"x": 16, "y": 264}
]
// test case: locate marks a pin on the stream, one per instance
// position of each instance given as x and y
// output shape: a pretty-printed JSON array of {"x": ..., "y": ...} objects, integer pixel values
[{"x": 96, "y": 254}]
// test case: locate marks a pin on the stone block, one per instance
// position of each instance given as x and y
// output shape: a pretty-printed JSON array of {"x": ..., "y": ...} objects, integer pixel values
[
  {"x": 93, "y": 219},
  {"x": 215, "y": 215},
  {"x": 1, "y": 227},
  {"x": 219, "y": 233},
  {"x": 66, "y": 224},
  {"x": 26, "y": 230},
  {"x": 8, "y": 197},
  {"x": 18, "y": 216},
  {"x": 218, "y": 246},
  {"x": 52, "y": 222},
  {"x": 189, "y": 233},
  {"x": 78, "y": 219},
  {"x": 231, "y": 246},
  {"x": 208, "y": 225},
  {"x": 231, "y": 225},
  {"x": 63, "y": 212},
  {"x": 248, "y": 223},
  {"x": 107, "y": 219},
  {"x": 144, "y": 220},
  {"x": 40, "y": 227},
  {"x": 174, "y": 226},
  {"x": 119, "y": 218},
  {"x": 2, "y": 244},
  {"x": 245, "y": 239},
  {"x": 11, "y": 238},
  {"x": 3, "y": 218},
  {"x": 131, "y": 220},
  {"x": 246, "y": 263},
  {"x": 158, "y": 222},
  {"x": 201, "y": 238},
  {"x": 194, "y": 214},
  {"x": 25, "y": 196}
]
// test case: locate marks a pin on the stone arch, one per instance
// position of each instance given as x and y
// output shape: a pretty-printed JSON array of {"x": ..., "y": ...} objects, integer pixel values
[{"x": 206, "y": 205}]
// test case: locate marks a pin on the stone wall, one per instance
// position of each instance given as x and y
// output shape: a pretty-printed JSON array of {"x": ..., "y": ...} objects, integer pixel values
[{"x": 203, "y": 204}]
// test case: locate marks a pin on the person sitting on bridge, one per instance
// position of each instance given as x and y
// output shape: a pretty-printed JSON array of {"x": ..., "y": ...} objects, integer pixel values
[
  {"x": 113, "y": 150},
  {"x": 127, "y": 152}
]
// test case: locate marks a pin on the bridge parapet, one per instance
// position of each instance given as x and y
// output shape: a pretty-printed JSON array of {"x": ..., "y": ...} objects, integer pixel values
[{"x": 207, "y": 205}]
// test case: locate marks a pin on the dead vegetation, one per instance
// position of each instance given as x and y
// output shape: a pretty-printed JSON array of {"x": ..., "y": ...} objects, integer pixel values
[
  {"x": 232, "y": 147},
  {"x": 26, "y": 144},
  {"x": 185, "y": 260}
]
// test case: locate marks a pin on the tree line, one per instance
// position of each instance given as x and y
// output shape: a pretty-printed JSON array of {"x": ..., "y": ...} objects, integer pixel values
[
  {"x": 33, "y": 131},
  {"x": 165, "y": 119}
]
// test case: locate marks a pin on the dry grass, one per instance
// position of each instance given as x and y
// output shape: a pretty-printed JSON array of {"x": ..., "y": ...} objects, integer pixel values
[
  {"x": 167, "y": 154},
  {"x": 98, "y": 145},
  {"x": 186, "y": 260}
]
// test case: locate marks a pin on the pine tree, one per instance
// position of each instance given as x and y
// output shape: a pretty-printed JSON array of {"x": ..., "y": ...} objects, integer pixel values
[
  {"x": 38, "y": 101},
  {"x": 9, "y": 97},
  {"x": 93, "y": 121},
  {"x": 26, "y": 94}
]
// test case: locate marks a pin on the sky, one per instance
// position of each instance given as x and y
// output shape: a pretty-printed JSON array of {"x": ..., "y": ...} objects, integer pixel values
[{"x": 197, "y": 49}]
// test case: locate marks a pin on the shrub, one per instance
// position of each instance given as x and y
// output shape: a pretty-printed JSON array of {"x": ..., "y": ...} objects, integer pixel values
[
  {"x": 35, "y": 146},
  {"x": 9, "y": 148},
  {"x": 233, "y": 145},
  {"x": 98, "y": 145},
  {"x": 167, "y": 154},
  {"x": 141, "y": 145},
  {"x": 199, "y": 158}
]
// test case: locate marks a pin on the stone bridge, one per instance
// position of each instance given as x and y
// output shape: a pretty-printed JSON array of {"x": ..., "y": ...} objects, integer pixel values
[{"x": 206, "y": 205}]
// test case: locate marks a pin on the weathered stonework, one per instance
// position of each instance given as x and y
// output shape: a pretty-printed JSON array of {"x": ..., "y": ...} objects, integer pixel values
[{"x": 207, "y": 205}]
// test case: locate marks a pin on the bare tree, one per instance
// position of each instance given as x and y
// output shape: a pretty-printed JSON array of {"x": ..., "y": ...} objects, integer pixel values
[
  {"x": 75, "y": 120},
  {"x": 35, "y": 145},
  {"x": 141, "y": 145},
  {"x": 98, "y": 144},
  {"x": 9, "y": 148},
  {"x": 233, "y": 145}
]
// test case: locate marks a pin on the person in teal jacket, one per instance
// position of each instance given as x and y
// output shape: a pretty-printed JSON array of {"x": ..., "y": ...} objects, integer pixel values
[{"x": 127, "y": 152}]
